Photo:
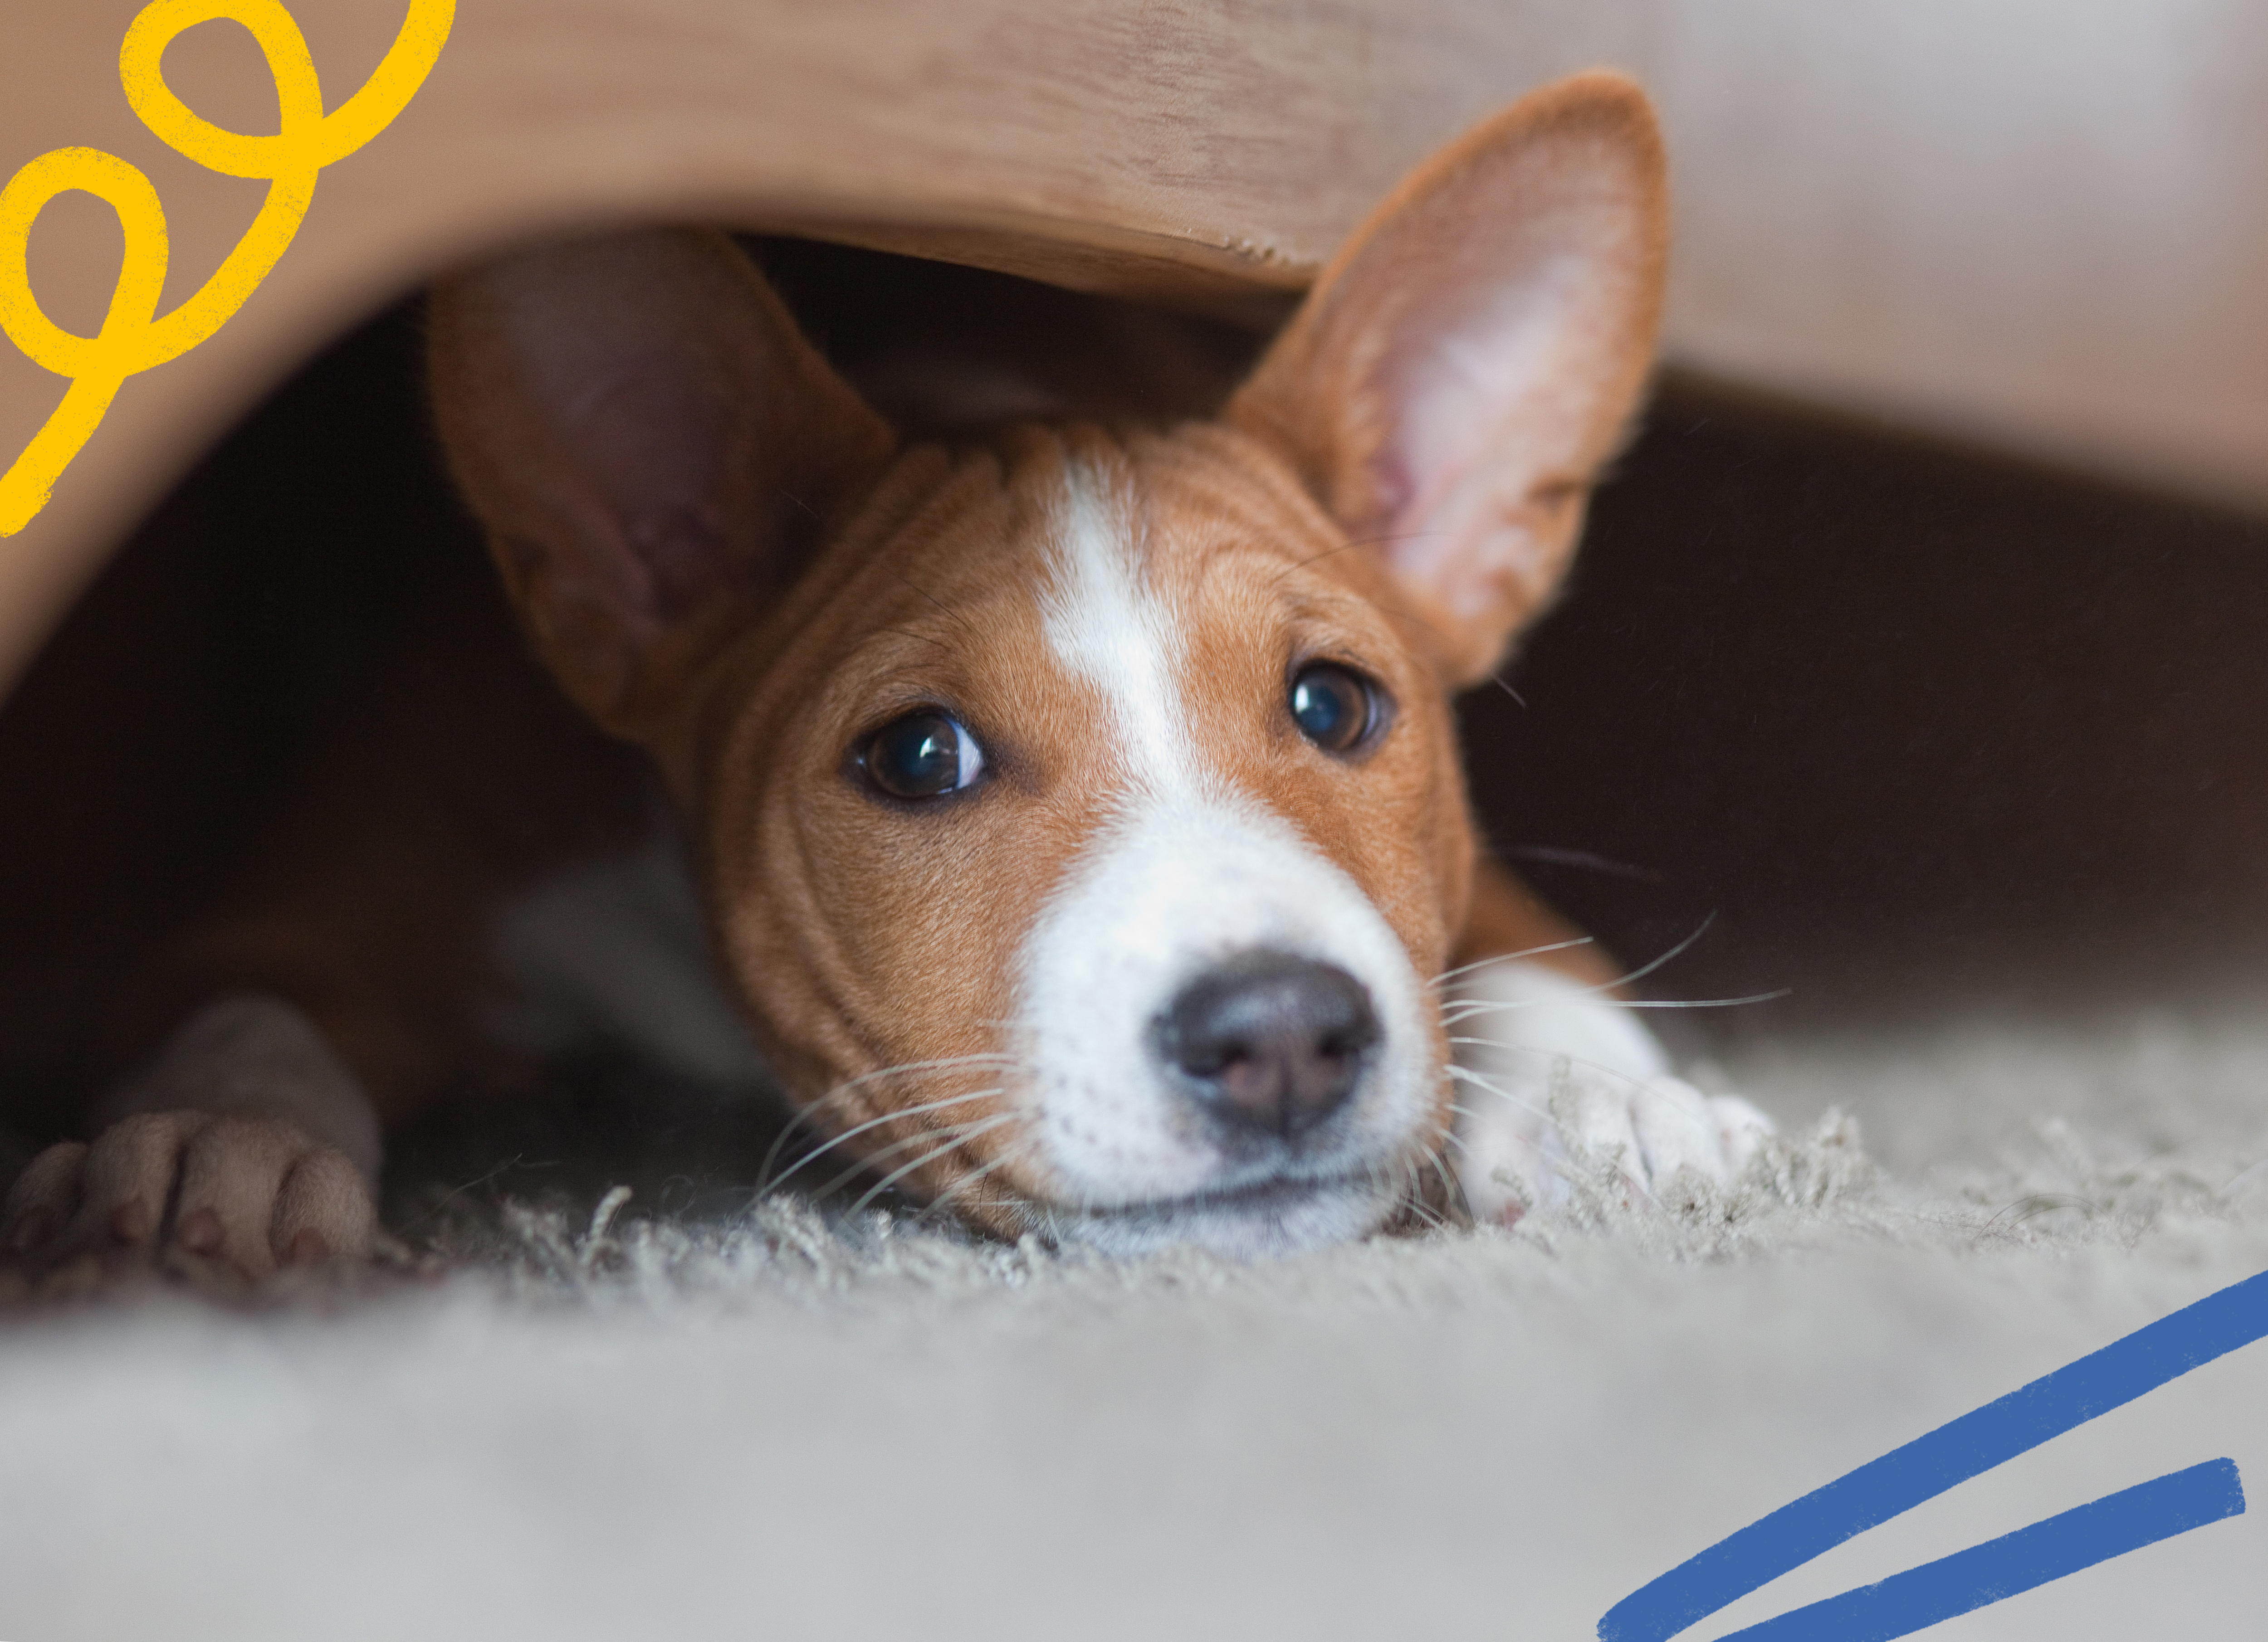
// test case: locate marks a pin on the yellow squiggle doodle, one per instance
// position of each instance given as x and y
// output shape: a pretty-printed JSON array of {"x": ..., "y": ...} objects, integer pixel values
[{"x": 133, "y": 337}]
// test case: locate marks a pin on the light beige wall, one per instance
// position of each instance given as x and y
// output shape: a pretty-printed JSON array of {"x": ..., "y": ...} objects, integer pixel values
[{"x": 2043, "y": 223}]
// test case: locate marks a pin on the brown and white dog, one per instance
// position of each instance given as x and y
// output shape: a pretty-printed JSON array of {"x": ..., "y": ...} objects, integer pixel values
[{"x": 1075, "y": 809}]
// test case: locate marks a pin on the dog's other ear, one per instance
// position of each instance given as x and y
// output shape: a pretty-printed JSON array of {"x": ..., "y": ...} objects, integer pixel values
[
  {"x": 1467, "y": 363},
  {"x": 651, "y": 443}
]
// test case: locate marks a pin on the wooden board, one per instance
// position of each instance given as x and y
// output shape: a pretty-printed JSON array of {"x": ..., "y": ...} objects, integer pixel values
[{"x": 1192, "y": 152}]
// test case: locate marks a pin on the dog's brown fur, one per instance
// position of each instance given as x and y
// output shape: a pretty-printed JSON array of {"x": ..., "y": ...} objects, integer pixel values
[{"x": 725, "y": 558}]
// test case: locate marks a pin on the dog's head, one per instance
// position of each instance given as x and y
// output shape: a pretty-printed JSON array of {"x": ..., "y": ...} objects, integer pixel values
[{"x": 1080, "y": 808}]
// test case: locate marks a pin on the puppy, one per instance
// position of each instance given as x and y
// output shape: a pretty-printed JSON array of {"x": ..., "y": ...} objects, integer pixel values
[{"x": 1075, "y": 808}]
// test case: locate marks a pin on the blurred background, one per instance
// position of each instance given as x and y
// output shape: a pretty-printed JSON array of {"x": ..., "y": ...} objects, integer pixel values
[
  {"x": 2036, "y": 223},
  {"x": 1920, "y": 649}
]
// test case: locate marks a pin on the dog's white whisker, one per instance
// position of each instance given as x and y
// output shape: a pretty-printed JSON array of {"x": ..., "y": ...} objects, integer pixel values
[
  {"x": 903, "y": 1170},
  {"x": 1414, "y": 1201},
  {"x": 951, "y": 1133},
  {"x": 1450, "y": 1192},
  {"x": 809, "y": 1110},
  {"x": 1014, "y": 1152},
  {"x": 1644, "y": 970},
  {"x": 1413, "y": 1189},
  {"x": 1704, "y": 1003},
  {"x": 816, "y": 1153},
  {"x": 1489, "y": 1087},
  {"x": 1604, "y": 990},
  {"x": 1458, "y": 1013},
  {"x": 1448, "y": 975}
]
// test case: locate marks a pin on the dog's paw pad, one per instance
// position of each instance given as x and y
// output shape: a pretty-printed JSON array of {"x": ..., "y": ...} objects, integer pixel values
[
  {"x": 200, "y": 1232},
  {"x": 1677, "y": 1128},
  {"x": 248, "y": 1193},
  {"x": 1557, "y": 1082},
  {"x": 1588, "y": 1122}
]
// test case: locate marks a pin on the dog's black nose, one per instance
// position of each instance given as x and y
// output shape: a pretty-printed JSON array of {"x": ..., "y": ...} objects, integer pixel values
[{"x": 1269, "y": 1041}]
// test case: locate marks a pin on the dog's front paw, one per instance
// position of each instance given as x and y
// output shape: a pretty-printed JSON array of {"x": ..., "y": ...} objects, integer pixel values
[
  {"x": 1552, "y": 1076},
  {"x": 252, "y": 1193}
]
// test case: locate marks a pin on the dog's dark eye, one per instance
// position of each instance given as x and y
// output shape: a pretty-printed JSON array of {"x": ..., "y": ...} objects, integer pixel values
[
  {"x": 1335, "y": 708},
  {"x": 923, "y": 755}
]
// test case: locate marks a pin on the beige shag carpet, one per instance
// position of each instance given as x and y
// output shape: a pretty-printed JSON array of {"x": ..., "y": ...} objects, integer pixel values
[{"x": 781, "y": 1425}]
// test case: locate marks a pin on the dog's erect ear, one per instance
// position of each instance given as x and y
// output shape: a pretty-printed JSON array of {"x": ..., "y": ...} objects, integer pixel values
[
  {"x": 650, "y": 445},
  {"x": 1467, "y": 363}
]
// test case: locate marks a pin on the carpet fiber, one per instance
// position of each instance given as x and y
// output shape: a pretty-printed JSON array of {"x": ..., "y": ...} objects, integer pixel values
[{"x": 777, "y": 1423}]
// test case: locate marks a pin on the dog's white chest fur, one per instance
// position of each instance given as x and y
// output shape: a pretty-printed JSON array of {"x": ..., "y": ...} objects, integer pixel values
[{"x": 616, "y": 950}]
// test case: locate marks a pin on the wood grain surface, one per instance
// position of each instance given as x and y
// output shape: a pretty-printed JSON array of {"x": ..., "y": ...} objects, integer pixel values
[{"x": 1190, "y": 152}]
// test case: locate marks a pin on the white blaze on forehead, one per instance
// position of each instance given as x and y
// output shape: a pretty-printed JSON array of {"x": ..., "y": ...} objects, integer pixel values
[
  {"x": 1187, "y": 872},
  {"x": 1107, "y": 628}
]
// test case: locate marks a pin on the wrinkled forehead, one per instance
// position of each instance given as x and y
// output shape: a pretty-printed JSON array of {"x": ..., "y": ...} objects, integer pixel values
[
  {"x": 1167, "y": 569},
  {"x": 1186, "y": 509},
  {"x": 1087, "y": 532},
  {"x": 1172, "y": 535},
  {"x": 1089, "y": 598}
]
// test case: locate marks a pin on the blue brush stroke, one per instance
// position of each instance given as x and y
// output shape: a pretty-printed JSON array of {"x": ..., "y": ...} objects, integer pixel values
[
  {"x": 1951, "y": 1454},
  {"x": 2013, "y": 1563}
]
